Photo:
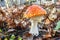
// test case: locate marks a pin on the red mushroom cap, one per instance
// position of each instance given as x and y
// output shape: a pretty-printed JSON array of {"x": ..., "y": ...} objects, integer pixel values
[{"x": 34, "y": 11}]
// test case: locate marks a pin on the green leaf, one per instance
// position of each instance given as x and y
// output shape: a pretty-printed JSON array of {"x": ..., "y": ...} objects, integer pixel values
[
  {"x": 5, "y": 39},
  {"x": 58, "y": 26},
  {"x": 0, "y": 30},
  {"x": 12, "y": 37},
  {"x": 19, "y": 38}
]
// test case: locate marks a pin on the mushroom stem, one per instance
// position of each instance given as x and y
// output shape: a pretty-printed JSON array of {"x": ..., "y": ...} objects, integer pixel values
[{"x": 34, "y": 28}]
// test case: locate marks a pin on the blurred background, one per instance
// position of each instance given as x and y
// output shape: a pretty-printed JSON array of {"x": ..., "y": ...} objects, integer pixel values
[{"x": 20, "y": 2}]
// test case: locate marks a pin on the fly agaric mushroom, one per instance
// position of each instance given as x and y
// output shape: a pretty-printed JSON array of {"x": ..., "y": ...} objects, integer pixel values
[{"x": 34, "y": 12}]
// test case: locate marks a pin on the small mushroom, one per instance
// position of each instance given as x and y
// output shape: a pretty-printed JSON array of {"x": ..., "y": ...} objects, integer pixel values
[{"x": 34, "y": 12}]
